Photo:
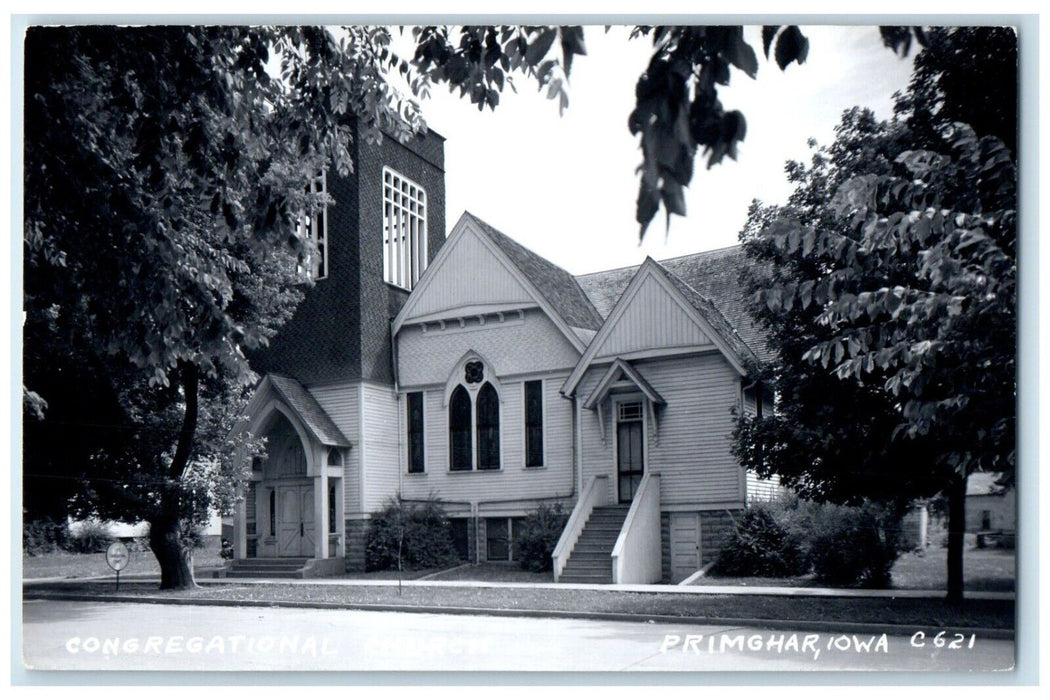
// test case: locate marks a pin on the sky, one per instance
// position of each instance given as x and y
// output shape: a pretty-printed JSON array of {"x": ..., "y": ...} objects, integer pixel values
[{"x": 566, "y": 186}]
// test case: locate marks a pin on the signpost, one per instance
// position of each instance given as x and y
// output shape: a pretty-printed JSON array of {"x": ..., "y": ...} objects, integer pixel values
[{"x": 117, "y": 556}]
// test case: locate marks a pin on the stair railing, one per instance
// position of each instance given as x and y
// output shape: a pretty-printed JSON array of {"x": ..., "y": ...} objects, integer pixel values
[
  {"x": 636, "y": 555},
  {"x": 596, "y": 494}
]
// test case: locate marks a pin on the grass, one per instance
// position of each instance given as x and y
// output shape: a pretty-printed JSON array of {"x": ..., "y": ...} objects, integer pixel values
[
  {"x": 494, "y": 573},
  {"x": 922, "y": 613},
  {"x": 983, "y": 570},
  {"x": 68, "y": 565}
]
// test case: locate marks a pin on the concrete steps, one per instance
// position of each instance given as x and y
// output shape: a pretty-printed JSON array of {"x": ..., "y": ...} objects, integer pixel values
[
  {"x": 591, "y": 560},
  {"x": 283, "y": 567}
]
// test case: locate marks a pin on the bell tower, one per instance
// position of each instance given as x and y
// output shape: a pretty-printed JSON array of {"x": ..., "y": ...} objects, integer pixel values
[{"x": 387, "y": 222}]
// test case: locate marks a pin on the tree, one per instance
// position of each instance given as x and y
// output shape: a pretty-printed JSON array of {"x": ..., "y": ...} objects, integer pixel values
[
  {"x": 891, "y": 298},
  {"x": 165, "y": 173}
]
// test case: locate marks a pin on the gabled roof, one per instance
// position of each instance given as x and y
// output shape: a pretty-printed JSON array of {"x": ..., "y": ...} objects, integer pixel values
[
  {"x": 699, "y": 309},
  {"x": 561, "y": 290},
  {"x": 716, "y": 275},
  {"x": 552, "y": 289},
  {"x": 619, "y": 368},
  {"x": 305, "y": 406}
]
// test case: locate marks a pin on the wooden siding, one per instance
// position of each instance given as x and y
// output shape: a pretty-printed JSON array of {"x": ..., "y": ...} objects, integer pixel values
[
  {"x": 761, "y": 490},
  {"x": 470, "y": 274},
  {"x": 514, "y": 347},
  {"x": 653, "y": 319},
  {"x": 380, "y": 425},
  {"x": 341, "y": 403},
  {"x": 691, "y": 449},
  {"x": 513, "y": 480}
]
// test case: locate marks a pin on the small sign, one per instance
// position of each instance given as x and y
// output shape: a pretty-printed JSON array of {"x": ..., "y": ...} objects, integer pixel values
[{"x": 117, "y": 556}]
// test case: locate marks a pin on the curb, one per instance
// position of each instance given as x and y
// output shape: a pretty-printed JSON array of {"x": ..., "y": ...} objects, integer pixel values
[{"x": 800, "y": 625}]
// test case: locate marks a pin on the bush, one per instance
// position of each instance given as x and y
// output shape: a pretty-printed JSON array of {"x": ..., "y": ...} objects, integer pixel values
[
  {"x": 89, "y": 537},
  {"x": 43, "y": 537},
  {"x": 762, "y": 547},
  {"x": 423, "y": 531},
  {"x": 854, "y": 545},
  {"x": 537, "y": 536}
]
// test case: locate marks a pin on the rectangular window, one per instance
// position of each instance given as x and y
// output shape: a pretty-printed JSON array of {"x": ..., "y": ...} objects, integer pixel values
[
  {"x": 534, "y": 424},
  {"x": 404, "y": 230},
  {"x": 313, "y": 263},
  {"x": 415, "y": 432}
]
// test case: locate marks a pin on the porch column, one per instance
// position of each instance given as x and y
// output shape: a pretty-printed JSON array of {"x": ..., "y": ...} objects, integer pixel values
[
  {"x": 321, "y": 513},
  {"x": 340, "y": 518},
  {"x": 240, "y": 527}
]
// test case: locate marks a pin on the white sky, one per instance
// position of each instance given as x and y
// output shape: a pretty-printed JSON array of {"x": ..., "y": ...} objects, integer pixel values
[{"x": 566, "y": 186}]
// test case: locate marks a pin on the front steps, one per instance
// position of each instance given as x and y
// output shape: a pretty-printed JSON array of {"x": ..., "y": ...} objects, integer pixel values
[
  {"x": 281, "y": 567},
  {"x": 591, "y": 558}
]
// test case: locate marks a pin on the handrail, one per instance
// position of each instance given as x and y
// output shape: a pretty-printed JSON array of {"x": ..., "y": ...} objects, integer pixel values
[
  {"x": 636, "y": 554},
  {"x": 595, "y": 494}
]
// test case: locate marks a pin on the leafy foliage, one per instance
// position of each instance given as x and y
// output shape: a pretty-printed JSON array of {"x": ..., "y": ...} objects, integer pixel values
[
  {"x": 537, "y": 535},
  {"x": 44, "y": 536},
  {"x": 762, "y": 547},
  {"x": 840, "y": 545},
  {"x": 889, "y": 284},
  {"x": 411, "y": 536},
  {"x": 89, "y": 537},
  {"x": 850, "y": 546},
  {"x": 166, "y": 169}
]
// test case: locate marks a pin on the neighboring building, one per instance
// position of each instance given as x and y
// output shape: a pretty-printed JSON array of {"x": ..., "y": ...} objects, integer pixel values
[
  {"x": 989, "y": 507},
  {"x": 477, "y": 372}
]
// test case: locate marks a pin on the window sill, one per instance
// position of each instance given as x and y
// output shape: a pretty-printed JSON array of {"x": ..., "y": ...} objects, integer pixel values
[
  {"x": 537, "y": 468},
  {"x": 422, "y": 473},
  {"x": 475, "y": 471}
]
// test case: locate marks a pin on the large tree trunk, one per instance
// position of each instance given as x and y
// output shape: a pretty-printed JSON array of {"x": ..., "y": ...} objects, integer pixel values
[
  {"x": 956, "y": 537},
  {"x": 165, "y": 533},
  {"x": 175, "y": 559}
]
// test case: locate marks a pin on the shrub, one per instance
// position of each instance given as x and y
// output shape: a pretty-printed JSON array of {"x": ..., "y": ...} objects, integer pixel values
[
  {"x": 421, "y": 529},
  {"x": 761, "y": 547},
  {"x": 43, "y": 537},
  {"x": 537, "y": 536},
  {"x": 89, "y": 537},
  {"x": 854, "y": 545}
]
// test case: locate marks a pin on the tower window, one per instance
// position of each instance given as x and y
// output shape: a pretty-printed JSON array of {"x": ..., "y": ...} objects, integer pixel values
[
  {"x": 414, "y": 402},
  {"x": 313, "y": 262},
  {"x": 404, "y": 230}
]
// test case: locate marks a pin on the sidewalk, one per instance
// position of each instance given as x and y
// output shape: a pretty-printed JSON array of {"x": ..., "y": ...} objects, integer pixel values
[{"x": 625, "y": 588}]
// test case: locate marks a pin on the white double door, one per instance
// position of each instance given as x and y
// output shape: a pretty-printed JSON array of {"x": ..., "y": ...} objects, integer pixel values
[{"x": 295, "y": 520}]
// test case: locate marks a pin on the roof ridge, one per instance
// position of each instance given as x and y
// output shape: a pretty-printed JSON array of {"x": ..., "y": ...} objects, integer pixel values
[{"x": 665, "y": 260}]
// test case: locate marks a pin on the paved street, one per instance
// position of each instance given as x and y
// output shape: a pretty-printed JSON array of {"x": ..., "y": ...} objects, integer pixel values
[{"x": 113, "y": 636}]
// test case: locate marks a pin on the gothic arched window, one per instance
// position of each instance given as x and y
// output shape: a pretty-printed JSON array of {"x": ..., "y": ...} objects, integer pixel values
[
  {"x": 487, "y": 419},
  {"x": 459, "y": 428}
]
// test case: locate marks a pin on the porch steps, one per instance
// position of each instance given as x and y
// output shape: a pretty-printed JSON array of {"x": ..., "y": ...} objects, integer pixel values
[
  {"x": 282, "y": 567},
  {"x": 591, "y": 558}
]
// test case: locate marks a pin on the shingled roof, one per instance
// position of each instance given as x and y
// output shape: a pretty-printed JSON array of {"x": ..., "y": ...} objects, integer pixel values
[
  {"x": 717, "y": 276},
  {"x": 559, "y": 288},
  {"x": 317, "y": 421}
]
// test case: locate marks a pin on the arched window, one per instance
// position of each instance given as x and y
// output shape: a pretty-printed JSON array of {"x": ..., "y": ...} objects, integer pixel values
[
  {"x": 459, "y": 428},
  {"x": 335, "y": 457},
  {"x": 488, "y": 427}
]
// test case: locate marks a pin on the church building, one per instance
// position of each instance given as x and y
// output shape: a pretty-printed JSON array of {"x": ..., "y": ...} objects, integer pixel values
[{"x": 472, "y": 370}]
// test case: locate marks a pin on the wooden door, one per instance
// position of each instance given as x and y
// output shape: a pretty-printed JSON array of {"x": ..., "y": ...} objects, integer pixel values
[
  {"x": 630, "y": 451},
  {"x": 295, "y": 520},
  {"x": 685, "y": 545}
]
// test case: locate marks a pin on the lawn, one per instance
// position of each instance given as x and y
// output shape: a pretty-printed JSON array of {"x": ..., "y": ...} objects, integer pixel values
[
  {"x": 922, "y": 613},
  {"x": 67, "y": 565},
  {"x": 983, "y": 570},
  {"x": 494, "y": 573}
]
